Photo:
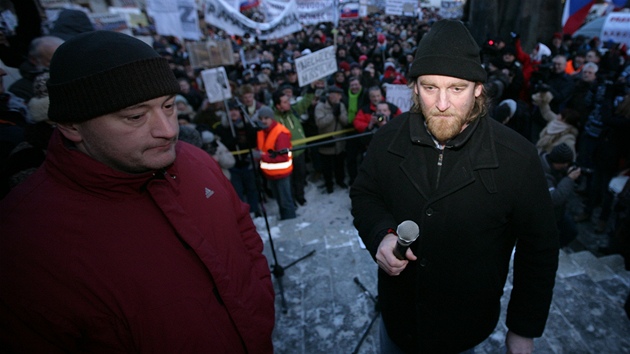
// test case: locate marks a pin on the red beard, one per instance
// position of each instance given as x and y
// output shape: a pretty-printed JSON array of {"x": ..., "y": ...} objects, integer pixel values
[{"x": 443, "y": 127}]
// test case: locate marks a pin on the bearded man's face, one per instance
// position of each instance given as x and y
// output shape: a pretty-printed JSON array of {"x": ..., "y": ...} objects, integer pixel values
[{"x": 447, "y": 104}]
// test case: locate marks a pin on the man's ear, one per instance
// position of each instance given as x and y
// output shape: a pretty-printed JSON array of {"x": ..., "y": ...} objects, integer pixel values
[
  {"x": 478, "y": 89},
  {"x": 70, "y": 131}
]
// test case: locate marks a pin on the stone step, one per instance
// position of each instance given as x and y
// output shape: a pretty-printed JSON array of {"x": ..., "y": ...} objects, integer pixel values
[{"x": 587, "y": 313}]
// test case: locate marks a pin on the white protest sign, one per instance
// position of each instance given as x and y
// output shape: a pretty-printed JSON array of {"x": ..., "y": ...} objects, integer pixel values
[
  {"x": 109, "y": 22},
  {"x": 617, "y": 28},
  {"x": 215, "y": 82},
  {"x": 316, "y": 65},
  {"x": 401, "y": 7},
  {"x": 400, "y": 95}
]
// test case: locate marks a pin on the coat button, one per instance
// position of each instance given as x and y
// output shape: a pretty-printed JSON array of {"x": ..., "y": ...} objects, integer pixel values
[
  {"x": 429, "y": 211},
  {"x": 423, "y": 262}
]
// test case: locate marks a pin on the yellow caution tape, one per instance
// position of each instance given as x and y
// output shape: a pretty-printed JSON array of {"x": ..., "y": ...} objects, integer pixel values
[{"x": 304, "y": 140}]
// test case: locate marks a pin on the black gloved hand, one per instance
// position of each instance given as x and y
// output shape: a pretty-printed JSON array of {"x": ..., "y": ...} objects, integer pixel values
[{"x": 336, "y": 109}]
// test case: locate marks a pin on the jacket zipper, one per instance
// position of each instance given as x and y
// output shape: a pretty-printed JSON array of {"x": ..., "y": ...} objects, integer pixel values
[{"x": 439, "y": 165}]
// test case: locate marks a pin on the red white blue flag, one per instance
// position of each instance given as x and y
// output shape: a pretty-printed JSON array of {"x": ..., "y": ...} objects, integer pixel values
[
  {"x": 248, "y": 4},
  {"x": 576, "y": 12}
]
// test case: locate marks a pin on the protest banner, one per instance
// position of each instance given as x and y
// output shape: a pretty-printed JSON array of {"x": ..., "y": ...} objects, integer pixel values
[
  {"x": 109, "y": 22},
  {"x": 401, "y": 7},
  {"x": 316, "y": 65},
  {"x": 617, "y": 28},
  {"x": 400, "y": 95},
  {"x": 215, "y": 82},
  {"x": 210, "y": 54},
  {"x": 223, "y": 15}
]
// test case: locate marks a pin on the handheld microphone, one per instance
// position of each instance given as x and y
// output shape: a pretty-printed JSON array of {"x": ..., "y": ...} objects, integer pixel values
[{"x": 408, "y": 231}]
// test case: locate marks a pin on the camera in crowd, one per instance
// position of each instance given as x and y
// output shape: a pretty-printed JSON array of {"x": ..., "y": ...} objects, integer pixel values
[
  {"x": 540, "y": 77},
  {"x": 583, "y": 170},
  {"x": 381, "y": 118}
]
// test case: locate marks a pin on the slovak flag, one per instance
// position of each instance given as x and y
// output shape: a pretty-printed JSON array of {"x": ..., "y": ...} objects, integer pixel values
[
  {"x": 576, "y": 11},
  {"x": 248, "y": 4}
]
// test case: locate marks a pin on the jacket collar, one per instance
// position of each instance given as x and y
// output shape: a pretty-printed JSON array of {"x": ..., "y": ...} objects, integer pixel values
[
  {"x": 479, "y": 135},
  {"x": 80, "y": 171}
]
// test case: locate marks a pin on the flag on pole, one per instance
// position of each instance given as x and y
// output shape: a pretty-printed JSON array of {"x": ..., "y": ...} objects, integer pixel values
[{"x": 576, "y": 11}]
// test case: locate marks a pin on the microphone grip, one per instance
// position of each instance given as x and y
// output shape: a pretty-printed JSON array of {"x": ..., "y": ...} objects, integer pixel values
[{"x": 400, "y": 250}]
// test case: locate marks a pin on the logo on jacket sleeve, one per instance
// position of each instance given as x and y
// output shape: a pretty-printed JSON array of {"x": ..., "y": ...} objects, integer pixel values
[{"x": 209, "y": 192}]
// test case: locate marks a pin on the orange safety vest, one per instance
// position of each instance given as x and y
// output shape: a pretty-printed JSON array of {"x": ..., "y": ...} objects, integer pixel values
[
  {"x": 570, "y": 70},
  {"x": 271, "y": 169}
]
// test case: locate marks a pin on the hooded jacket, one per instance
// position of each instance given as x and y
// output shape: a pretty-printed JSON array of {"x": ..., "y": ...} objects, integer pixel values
[
  {"x": 97, "y": 260},
  {"x": 489, "y": 195}
]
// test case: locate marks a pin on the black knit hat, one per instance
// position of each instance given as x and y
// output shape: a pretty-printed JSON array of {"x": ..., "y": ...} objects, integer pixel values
[
  {"x": 448, "y": 49},
  {"x": 101, "y": 72},
  {"x": 561, "y": 153}
]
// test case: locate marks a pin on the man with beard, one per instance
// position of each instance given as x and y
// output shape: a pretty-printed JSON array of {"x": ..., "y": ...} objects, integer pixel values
[
  {"x": 126, "y": 240},
  {"x": 476, "y": 189}
]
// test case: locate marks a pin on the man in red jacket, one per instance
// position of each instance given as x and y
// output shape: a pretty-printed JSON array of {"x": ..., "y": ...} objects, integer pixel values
[
  {"x": 126, "y": 240},
  {"x": 366, "y": 116}
]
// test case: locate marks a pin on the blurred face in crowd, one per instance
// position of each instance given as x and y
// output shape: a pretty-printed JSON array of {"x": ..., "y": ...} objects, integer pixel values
[
  {"x": 508, "y": 57},
  {"x": 266, "y": 121},
  {"x": 235, "y": 114},
  {"x": 182, "y": 107},
  {"x": 248, "y": 98},
  {"x": 592, "y": 57},
  {"x": 319, "y": 84},
  {"x": 383, "y": 109},
  {"x": 589, "y": 74},
  {"x": 288, "y": 92},
  {"x": 559, "y": 64},
  {"x": 284, "y": 105},
  {"x": 286, "y": 66},
  {"x": 46, "y": 51},
  {"x": 292, "y": 77},
  {"x": 578, "y": 61},
  {"x": 355, "y": 86},
  {"x": 356, "y": 71},
  {"x": 137, "y": 139},
  {"x": 376, "y": 97},
  {"x": 340, "y": 77},
  {"x": 334, "y": 97},
  {"x": 556, "y": 42},
  {"x": 446, "y": 103},
  {"x": 184, "y": 86}
]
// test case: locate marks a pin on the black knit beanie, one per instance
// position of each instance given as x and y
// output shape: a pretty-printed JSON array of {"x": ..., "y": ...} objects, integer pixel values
[
  {"x": 448, "y": 49},
  {"x": 561, "y": 153},
  {"x": 102, "y": 72}
]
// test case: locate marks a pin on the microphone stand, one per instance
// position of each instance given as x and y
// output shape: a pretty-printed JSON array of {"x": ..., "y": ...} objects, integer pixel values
[
  {"x": 377, "y": 313},
  {"x": 276, "y": 269}
]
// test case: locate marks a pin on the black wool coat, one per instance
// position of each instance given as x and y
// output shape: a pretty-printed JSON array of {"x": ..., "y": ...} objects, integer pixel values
[{"x": 488, "y": 198}]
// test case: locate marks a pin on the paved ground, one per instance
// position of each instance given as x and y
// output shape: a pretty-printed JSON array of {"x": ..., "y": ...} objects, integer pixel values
[{"x": 328, "y": 312}]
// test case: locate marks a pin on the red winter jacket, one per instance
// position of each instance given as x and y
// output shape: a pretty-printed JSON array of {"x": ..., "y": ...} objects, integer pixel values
[{"x": 96, "y": 260}]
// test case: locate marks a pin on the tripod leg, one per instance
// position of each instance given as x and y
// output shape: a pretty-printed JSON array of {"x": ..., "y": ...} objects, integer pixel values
[
  {"x": 365, "y": 334},
  {"x": 299, "y": 259},
  {"x": 376, "y": 314},
  {"x": 278, "y": 272}
]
